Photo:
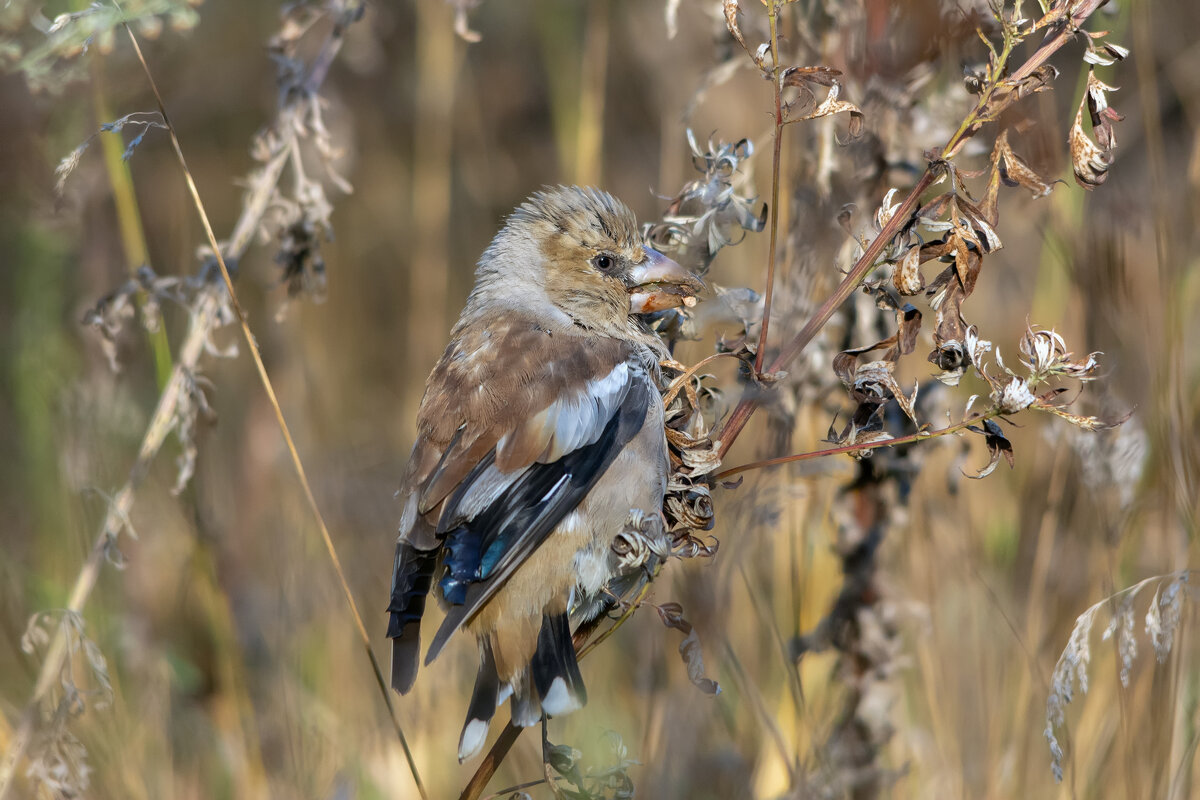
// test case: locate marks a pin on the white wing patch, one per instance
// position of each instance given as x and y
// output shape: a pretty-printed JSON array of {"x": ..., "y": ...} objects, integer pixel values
[
  {"x": 574, "y": 421},
  {"x": 580, "y": 419}
]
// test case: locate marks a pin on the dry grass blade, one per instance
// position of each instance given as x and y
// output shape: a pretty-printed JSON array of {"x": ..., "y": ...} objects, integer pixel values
[
  {"x": 252, "y": 345},
  {"x": 118, "y": 511}
]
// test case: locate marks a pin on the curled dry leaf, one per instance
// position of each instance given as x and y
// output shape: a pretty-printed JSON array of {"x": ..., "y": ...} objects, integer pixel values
[
  {"x": 708, "y": 214},
  {"x": 906, "y": 276},
  {"x": 671, "y": 615},
  {"x": 873, "y": 383},
  {"x": 688, "y": 506},
  {"x": 804, "y": 105},
  {"x": 730, "y": 9},
  {"x": 1014, "y": 171},
  {"x": 997, "y": 444},
  {"x": 1090, "y": 159}
]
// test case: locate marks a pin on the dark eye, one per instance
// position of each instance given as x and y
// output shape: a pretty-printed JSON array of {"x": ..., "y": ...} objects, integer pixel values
[{"x": 604, "y": 262}]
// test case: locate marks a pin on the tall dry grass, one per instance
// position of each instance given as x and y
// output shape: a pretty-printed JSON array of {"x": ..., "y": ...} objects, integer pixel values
[{"x": 233, "y": 664}]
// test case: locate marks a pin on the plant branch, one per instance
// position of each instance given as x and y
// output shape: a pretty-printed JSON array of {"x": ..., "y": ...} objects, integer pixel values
[
  {"x": 1062, "y": 24},
  {"x": 857, "y": 448}
]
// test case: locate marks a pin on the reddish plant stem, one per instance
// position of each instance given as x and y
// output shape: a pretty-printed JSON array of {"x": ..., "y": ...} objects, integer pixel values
[
  {"x": 741, "y": 414},
  {"x": 854, "y": 448}
]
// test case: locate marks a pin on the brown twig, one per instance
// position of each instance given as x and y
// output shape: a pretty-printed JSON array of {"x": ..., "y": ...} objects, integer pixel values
[{"x": 861, "y": 447}]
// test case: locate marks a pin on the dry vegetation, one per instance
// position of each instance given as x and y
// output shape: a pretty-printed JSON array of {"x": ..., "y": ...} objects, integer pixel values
[{"x": 952, "y": 270}]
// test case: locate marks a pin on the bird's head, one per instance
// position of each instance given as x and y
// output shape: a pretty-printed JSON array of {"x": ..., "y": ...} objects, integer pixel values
[{"x": 580, "y": 251}]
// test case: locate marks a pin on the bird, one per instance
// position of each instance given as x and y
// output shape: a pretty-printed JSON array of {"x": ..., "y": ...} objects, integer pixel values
[{"x": 539, "y": 433}]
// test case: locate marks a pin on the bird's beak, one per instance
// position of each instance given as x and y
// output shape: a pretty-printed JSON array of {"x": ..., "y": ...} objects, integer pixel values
[{"x": 659, "y": 283}]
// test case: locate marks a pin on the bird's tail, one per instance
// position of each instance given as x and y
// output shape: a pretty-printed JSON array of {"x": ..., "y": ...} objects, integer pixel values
[
  {"x": 554, "y": 670},
  {"x": 484, "y": 700},
  {"x": 549, "y": 685}
]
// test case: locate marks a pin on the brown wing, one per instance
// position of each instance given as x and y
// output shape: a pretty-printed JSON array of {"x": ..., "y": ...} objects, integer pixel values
[{"x": 517, "y": 422}]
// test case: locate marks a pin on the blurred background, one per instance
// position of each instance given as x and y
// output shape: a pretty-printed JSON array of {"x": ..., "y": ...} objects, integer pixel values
[{"x": 234, "y": 664}]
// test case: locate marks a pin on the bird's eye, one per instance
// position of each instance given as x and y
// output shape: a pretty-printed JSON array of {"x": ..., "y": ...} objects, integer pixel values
[{"x": 604, "y": 262}]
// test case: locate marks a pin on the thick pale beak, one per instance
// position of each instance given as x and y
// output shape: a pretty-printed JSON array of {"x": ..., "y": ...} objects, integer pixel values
[{"x": 659, "y": 283}]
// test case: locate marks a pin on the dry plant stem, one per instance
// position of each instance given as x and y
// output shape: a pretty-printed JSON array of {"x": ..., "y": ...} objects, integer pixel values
[
  {"x": 857, "y": 448},
  {"x": 252, "y": 345},
  {"x": 776, "y": 154},
  {"x": 1059, "y": 34},
  {"x": 202, "y": 323},
  {"x": 747, "y": 405}
]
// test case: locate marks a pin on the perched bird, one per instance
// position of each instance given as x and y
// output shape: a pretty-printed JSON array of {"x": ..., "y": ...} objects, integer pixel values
[{"x": 540, "y": 431}]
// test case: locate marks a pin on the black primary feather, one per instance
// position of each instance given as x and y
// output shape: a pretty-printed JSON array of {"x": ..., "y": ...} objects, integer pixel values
[{"x": 412, "y": 575}]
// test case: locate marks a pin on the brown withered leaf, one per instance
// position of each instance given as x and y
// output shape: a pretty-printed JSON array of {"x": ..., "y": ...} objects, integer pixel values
[
  {"x": 689, "y": 649},
  {"x": 805, "y": 105},
  {"x": 730, "y": 8},
  {"x": 1090, "y": 160},
  {"x": 997, "y": 445},
  {"x": 908, "y": 325},
  {"x": 688, "y": 506},
  {"x": 978, "y": 229},
  {"x": 949, "y": 354},
  {"x": 873, "y": 383},
  {"x": 906, "y": 275},
  {"x": 1014, "y": 170},
  {"x": 865, "y": 425},
  {"x": 934, "y": 208},
  {"x": 967, "y": 262}
]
